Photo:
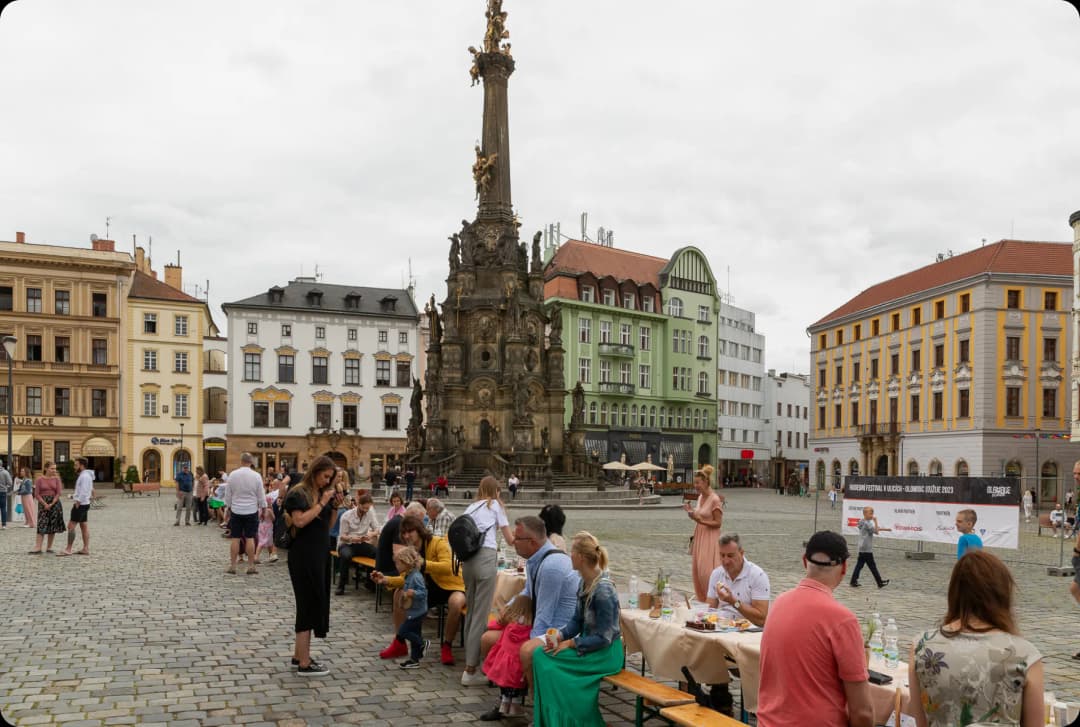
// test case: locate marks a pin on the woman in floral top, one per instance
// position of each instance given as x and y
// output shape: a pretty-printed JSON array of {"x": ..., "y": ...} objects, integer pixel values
[
  {"x": 566, "y": 676},
  {"x": 975, "y": 668}
]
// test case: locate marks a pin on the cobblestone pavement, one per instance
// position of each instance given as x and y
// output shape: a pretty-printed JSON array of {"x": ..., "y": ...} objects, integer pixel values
[{"x": 150, "y": 630}]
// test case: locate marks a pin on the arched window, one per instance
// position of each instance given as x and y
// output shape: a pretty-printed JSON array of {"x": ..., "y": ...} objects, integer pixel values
[
  {"x": 935, "y": 468},
  {"x": 820, "y": 470},
  {"x": 633, "y": 415},
  {"x": 697, "y": 418},
  {"x": 1014, "y": 469},
  {"x": 704, "y": 418},
  {"x": 961, "y": 468},
  {"x": 151, "y": 466},
  {"x": 836, "y": 472},
  {"x": 912, "y": 468},
  {"x": 703, "y": 382},
  {"x": 678, "y": 418},
  {"x": 603, "y": 413},
  {"x": 663, "y": 417},
  {"x": 671, "y": 418},
  {"x": 675, "y": 307},
  {"x": 644, "y": 421},
  {"x": 625, "y": 412},
  {"x": 592, "y": 412},
  {"x": 1048, "y": 482},
  {"x": 652, "y": 416},
  {"x": 853, "y": 467},
  {"x": 180, "y": 458},
  {"x": 703, "y": 346}
]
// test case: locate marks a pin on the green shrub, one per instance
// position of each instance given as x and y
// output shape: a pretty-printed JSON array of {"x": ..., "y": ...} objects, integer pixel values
[
  {"x": 132, "y": 475},
  {"x": 66, "y": 470}
]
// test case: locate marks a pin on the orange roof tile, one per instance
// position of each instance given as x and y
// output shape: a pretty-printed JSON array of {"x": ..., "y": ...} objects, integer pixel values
[
  {"x": 144, "y": 286},
  {"x": 1017, "y": 257},
  {"x": 575, "y": 257}
]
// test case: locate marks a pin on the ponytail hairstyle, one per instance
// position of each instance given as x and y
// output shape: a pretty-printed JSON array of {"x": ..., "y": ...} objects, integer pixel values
[
  {"x": 705, "y": 474},
  {"x": 588, "y": 547}
]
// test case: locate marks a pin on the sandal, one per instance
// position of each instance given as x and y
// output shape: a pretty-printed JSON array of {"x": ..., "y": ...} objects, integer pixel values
[
  {"x": 63, "y": 554},
  {"x": 1076, "y": 656},
  {"x": 33, "y": 552}
]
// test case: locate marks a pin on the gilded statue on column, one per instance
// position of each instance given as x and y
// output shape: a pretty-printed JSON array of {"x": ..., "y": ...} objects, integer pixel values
[{"x": 481, "y": 170}]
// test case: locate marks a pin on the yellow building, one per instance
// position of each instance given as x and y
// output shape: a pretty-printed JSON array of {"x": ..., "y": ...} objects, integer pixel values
[
  {"x": 65, "y": 306},
  {"x": 163, "y": 366},
  {"x": 957, "y": 368}
]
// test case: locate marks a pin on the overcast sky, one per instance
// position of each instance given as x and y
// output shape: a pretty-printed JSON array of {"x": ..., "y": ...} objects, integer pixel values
[{"x": 812, "y": 148}]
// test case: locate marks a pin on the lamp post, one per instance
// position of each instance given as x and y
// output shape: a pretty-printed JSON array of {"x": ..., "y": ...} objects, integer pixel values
[
  {"x": 180, "y": 454},
  {"x": 9, "y": 353}
]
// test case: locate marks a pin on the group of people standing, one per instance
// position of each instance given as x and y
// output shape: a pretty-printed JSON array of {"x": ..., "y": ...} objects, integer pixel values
[{"x": 41, "y": 502}]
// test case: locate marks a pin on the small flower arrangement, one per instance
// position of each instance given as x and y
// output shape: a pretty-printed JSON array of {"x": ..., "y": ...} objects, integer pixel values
[{"x": 662, "y": 579}]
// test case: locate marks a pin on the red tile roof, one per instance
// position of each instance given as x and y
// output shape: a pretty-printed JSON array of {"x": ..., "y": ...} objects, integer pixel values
[
  {"x": 144, "y": 286},
  {"x": 1016, "y": 257},
  {"x": 575, "y": 257}
]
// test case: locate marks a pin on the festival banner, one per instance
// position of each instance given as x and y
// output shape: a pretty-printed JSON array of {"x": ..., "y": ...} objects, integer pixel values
[{"x": 924, "y": 508}]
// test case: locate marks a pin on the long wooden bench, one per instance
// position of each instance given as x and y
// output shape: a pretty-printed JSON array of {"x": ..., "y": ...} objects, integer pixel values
[
  {"x": 141, "y": 487},
  {"x": 646, "y": 690},
  {"x": 694, "y": 715},
  {"x": 1044, "y": 522}
]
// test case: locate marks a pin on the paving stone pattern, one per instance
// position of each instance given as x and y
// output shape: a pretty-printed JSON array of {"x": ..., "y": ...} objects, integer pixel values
[{"x": 150, "y": 630}]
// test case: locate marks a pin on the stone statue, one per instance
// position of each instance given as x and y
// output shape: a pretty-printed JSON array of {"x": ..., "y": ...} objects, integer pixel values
[
  {"x": 545, "y": 439},
  {"x": 512, "y": 308},
  {"x": 481, "y": 170},
  {"x": 494, "y": 436},
  {"x": 417, "y": 417},
  {"x": 555, "y": 335},
  {"x": 459, "y": 436},
  {"x": 466, "y": 237},
  {"x": 435, "y": 320},
  {"x": 455, "y": 251},
  {"x": 536, "y": 262},
  {"x": 521, "y": 399},
  {"x": 577, "y": 416},
  {"x": 474, "y": 71}
]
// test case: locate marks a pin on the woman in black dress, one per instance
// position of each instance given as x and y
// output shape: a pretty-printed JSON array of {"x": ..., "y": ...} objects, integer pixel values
[{"x": 311, "y": 507}]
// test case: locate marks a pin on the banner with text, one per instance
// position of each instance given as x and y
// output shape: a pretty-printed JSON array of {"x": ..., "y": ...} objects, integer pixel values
[{"x": 924, "y": 508}]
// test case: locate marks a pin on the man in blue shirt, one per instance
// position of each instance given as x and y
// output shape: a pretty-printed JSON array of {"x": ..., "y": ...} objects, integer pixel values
[
  {"x": 184, "y": 491},
  {"x": 965, "y": 525}
]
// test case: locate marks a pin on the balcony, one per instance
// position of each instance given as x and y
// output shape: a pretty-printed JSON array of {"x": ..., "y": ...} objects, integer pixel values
[
  {"x": 879, "y": 429},
  {"x": 616, "y": 349},
  {"x": 612, "y": 387}
]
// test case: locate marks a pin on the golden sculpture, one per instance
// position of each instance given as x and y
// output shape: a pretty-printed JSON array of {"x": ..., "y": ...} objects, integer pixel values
[
  {"x": 482, "y": 170},
  {"x": 496, "y": 27},
  {"x": 474, "y": 71}
]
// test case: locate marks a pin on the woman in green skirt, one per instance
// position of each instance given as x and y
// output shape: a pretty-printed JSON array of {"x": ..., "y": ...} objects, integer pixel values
[{"x": 567, "y": 670}]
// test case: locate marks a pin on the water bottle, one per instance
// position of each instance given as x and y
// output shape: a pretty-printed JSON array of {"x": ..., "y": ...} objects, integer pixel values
[
  {"x": 667, "y": 612},
  {"x": 892, "y": 648},
  {"x": 633, "y": 587},
  {"x": 877, "y": 641}
]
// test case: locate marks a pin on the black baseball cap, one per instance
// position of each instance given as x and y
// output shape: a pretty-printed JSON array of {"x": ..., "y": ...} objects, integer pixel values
[{"x": 829, "y": 545}]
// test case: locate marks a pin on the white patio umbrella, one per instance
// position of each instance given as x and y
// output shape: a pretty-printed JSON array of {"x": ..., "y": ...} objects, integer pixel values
[
  {"x": 616, "y": 466},
  {"x": 644, "y": 466}
]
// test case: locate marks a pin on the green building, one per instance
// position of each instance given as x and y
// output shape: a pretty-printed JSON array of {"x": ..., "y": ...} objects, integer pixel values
[{"x": 640, "y": 335}]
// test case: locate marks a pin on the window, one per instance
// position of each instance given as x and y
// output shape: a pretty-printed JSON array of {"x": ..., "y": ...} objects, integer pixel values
[
  {"x": 965, "y": 351},
  {"x": 875, "y": 327},
  {"x": 854, "y": 413},
  {"x": 351, "y": 334},
  {"x": 253, "y": 329},
  {"x": 628, "y": 301},
  {"x": 286, "y": 330},
  {"x": 788, "y": 439},
  {"x": 916, "y": 316},
  {"x": 320, "y": 333},
  {"x": 349, "y": 419},
  {"x": 180, "y": 326},
  {"x": 605, "y": 331},
  {"x": 648, "y": 304},
  {"x": 894, "y": 322},
  {"x": 939, "y": 405},
  {"x": 322, "y": 416},
  {"x": 605, "y": 371},
  {"x": 62, "y": 402},
  {"x": 916, "y": 409},
  {"x": 820, "y": 380},
  {"x": 703, "y": 347},
  {"x": 821, "y": 417},
  {"x": 780, "y": 409},
  {"x": 585, "y": 370},
  {"x": 286, "y": 368},
  {"x": 755, "y": 383},
  {"x": 703, "y": 313},
  {"x": 873, "y": 369},
  {"x": 603, "y": 413},
  {"x": 149, "y": 404},
  {"x": 592, "y": 412},
  {"x": 260, "y": 414},
  {"x": 964, "y": 403},
  {"x": 390, "y": 417},
  {"x": 965, "y": 302},
  {"x": 839, "y": 375},
  {"x": 180, "y": 405},
  {"x": 382, "y": 373},
  {"x": 675, "y": 338},
  {"x": 149, "y": 323},
  {"x": 625, "y": 374},
  {"x": 404, "y": 372},
  {"x": 838, "y": 415},
  {"x": 1012, "y": 401},
  {"x": 252, "y": 367},
  {"x": 584, "y": 330},
  {"x": 675, "y": 308},
  {"x": 180, "y": 361},
  {"x": 916, "y": 360},
  {"x": 588, "y": 294},
  {"x": 756, "y": 357},
  {"x": 894, "y": 364},
  {"x": 1049, "y": 403},
  {"x": 855, "y": 371},
  {"x": 33, "y": 300},
  {"x": 149, "y": 359},
  {"x": 858, "y": 331},
  {"x": 644, "y": 334},
  {"x": 99, "y": 305},
  {"x": 33, "y": 348},
  {"x": 281, "y": 414},
  {"x": 1049, "y": 300},
  {"x": 839, "y": 336},
  {"x": 702, "y": 382},
  {"x": 320, "y": 372},
  {"x": 939, "y": 310},
  {"x": 384, "y": 336},
  {"x": 1012, "y": 348},
  {"x": 609, "y": 297},
  {"x": 97, "y": 402},
  {"x": 62, "y": 302},
  {"x": 652, "y": 416},
  {"x": 939, "y": 355},
  {"x": 626, "y": 332},
  {"x": 4, "y": 400},
  {"x": 1012, "y": 299},
  {"x": 644, "y": 376},
  {"x": 822, "y": 342},
  {"x": 62, "y": 451},
  {"x": 352, "y": 372},
  {"x": 1049, "y": 349},
  {"x": 6, "y": 298}
]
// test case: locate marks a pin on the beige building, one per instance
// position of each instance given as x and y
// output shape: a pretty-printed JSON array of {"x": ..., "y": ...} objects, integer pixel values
[
  {"x": 65, "y": 305},
  {"x": 163, "y": 362}
]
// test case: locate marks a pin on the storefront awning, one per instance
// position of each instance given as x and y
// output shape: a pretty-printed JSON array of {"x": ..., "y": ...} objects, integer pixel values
[
  {"x": 21, "y": 444},
  {"x": 98, "y": 447},
  {"x": 635, "y": 451},
  {"x": 596, "y": 444},
  {"x": 682, "y": 451}
]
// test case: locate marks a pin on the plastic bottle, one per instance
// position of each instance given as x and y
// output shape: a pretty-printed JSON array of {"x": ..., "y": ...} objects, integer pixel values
[
  {"x": 633, "y": 588},
  {"x": 892, "y": 647},
  {"x": 877, "y": 641},
  {"x": 667, "y": 612}
]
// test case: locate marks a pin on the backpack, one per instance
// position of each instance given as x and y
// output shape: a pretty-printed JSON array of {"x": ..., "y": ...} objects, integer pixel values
[
  {"x": 283, "y": 534},
  {"x": 465, "y": 537}
]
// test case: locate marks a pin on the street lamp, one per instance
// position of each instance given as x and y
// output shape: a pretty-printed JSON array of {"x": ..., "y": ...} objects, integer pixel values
[
  {"x": 9, "y": 353},
  {"x": 180, "y": 454}
]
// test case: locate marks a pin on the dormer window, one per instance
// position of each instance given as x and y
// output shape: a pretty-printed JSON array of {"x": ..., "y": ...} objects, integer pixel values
[
  {"x": 277, "y": 294},
  {"x": 388, "y": 304},
  {"x": 314, "y": 297},
  {"x": 352, "y": 300}
]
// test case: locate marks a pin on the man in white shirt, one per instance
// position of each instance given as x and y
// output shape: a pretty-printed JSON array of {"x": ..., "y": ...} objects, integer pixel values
[
  {"x": 245, "y": 498},
  {"x": 84, "y": 490},
  {"x": 358, "y": 532}
]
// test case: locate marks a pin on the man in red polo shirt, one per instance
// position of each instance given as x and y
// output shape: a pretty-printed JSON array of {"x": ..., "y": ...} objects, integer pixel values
[{"x": 813, "y": 664}]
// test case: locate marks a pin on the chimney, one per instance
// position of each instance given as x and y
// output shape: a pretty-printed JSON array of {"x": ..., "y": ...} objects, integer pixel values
[
  {"x": 20, "y": 237},
  {"x": 174, "y": 277},
  {"x": 103, "y": 245},
  {"x": 141, "y": 263}
]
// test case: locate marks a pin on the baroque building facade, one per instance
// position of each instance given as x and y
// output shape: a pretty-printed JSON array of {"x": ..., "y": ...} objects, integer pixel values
[{"x": 957, "y": 368}]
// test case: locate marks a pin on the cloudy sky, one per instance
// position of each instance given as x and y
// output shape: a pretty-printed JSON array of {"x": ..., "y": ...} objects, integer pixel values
[{"x": 812, "y": 149}]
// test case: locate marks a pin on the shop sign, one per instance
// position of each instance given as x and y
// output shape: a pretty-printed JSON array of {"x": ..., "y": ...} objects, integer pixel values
[
  {"x": 29, "y": 421},
  {"x": 270, "y": 445},
  {"x": 166, "y": 440}
]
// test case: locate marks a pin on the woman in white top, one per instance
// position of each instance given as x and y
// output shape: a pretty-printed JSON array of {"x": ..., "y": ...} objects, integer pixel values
[{"x": 480, "y": 572}]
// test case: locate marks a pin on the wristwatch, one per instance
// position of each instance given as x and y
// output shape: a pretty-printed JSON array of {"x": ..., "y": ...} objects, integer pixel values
[{"x": 737, "y": 605}]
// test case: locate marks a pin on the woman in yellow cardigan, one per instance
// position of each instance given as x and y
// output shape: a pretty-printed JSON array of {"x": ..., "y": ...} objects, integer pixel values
[{"x": 444, "y": 582}]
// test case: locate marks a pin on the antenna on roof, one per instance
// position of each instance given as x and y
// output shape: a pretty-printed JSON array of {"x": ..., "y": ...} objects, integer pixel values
[
  {"x": 107, "y": 221},
  {"x": 133, "y": 245},
  {"x": 584, "y": 225}
]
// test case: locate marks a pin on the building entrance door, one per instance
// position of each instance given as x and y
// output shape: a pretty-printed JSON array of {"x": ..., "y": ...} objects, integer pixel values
[
  {"x": 485, "y": 434},
  {"x": 882, "y": 468}
]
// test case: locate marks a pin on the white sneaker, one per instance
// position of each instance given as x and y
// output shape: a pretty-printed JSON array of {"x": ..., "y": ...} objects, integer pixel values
[{"x": 476, "y": 679}]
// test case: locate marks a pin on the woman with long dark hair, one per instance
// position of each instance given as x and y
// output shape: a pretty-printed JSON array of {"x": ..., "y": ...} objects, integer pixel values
[
  {"x": 310, "y": 510},
  {"x": 975, "y": 667}
]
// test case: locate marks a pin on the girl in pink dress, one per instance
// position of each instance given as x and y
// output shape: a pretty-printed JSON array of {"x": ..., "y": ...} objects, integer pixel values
[{"x": 709, "y": 515}]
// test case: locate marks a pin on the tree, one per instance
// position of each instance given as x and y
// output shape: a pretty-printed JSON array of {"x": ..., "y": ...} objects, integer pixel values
[
  {"x": 132, "y": 475},
  {"x": 66, "y": 470}
]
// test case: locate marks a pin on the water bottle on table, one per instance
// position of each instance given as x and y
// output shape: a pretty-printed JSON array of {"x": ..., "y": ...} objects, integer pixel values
[
  {"x": 632, "y": 601},
  {"x": 667, "y": 609},
  {"x": 892, "y": 646},
  {"x": 877, "y": 641}
]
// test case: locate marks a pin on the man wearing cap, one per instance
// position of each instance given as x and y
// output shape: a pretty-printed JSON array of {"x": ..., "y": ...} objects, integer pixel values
[{"x": 813, "y": 664}]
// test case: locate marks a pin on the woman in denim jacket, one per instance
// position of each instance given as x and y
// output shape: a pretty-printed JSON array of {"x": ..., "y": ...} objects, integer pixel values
[{"x": 567, "y": 674}]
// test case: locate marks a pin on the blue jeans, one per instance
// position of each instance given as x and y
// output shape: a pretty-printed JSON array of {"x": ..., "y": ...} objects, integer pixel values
[
  {"x": 3, "y": 508},
  {"x": 410, "y": 631}
]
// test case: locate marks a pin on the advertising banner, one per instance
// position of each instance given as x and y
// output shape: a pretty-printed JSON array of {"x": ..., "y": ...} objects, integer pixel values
[{"x": 924, "y": 508}]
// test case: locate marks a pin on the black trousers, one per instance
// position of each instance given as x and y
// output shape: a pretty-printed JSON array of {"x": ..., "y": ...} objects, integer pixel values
[
  {"x": 202, "y": 510},
  {"x": 345, "y": 555},
  {"x": 866, "y": 559}
]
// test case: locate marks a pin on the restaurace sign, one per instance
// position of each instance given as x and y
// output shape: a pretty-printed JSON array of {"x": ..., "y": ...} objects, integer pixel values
[{"x": 29, "y": 421}]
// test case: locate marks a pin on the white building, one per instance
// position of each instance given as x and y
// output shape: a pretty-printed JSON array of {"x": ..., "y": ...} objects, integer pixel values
[
  {"x": 740, "y": 373},
  {"x": 321, "y": 369},
  {"x": 787, "y": 422}
]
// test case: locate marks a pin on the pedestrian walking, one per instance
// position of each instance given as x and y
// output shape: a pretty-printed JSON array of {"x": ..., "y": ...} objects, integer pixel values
[
  {"x": 50, "y": 514},
  {"x": 24, "y": 487},
  {"x": 202, "y": 496},
  {"x": 80, "y": 509},
  {"x": 185, "y": 492},
  {"x": 832, "y": 498},
  {"x": 1029, "y": 502},
  {"x": 244, "y": 500},
  {"x": 868, "y": 528},
  {"x": 410, "y": 482},
  {"x": 6, "y": 487}
]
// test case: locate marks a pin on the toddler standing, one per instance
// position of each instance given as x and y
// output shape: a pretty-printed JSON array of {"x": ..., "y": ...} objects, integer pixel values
[{"x": 414, "y": 600}]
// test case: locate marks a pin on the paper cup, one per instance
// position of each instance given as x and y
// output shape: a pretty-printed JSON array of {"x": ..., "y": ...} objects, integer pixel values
[{"x": 552, "y": 637}]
